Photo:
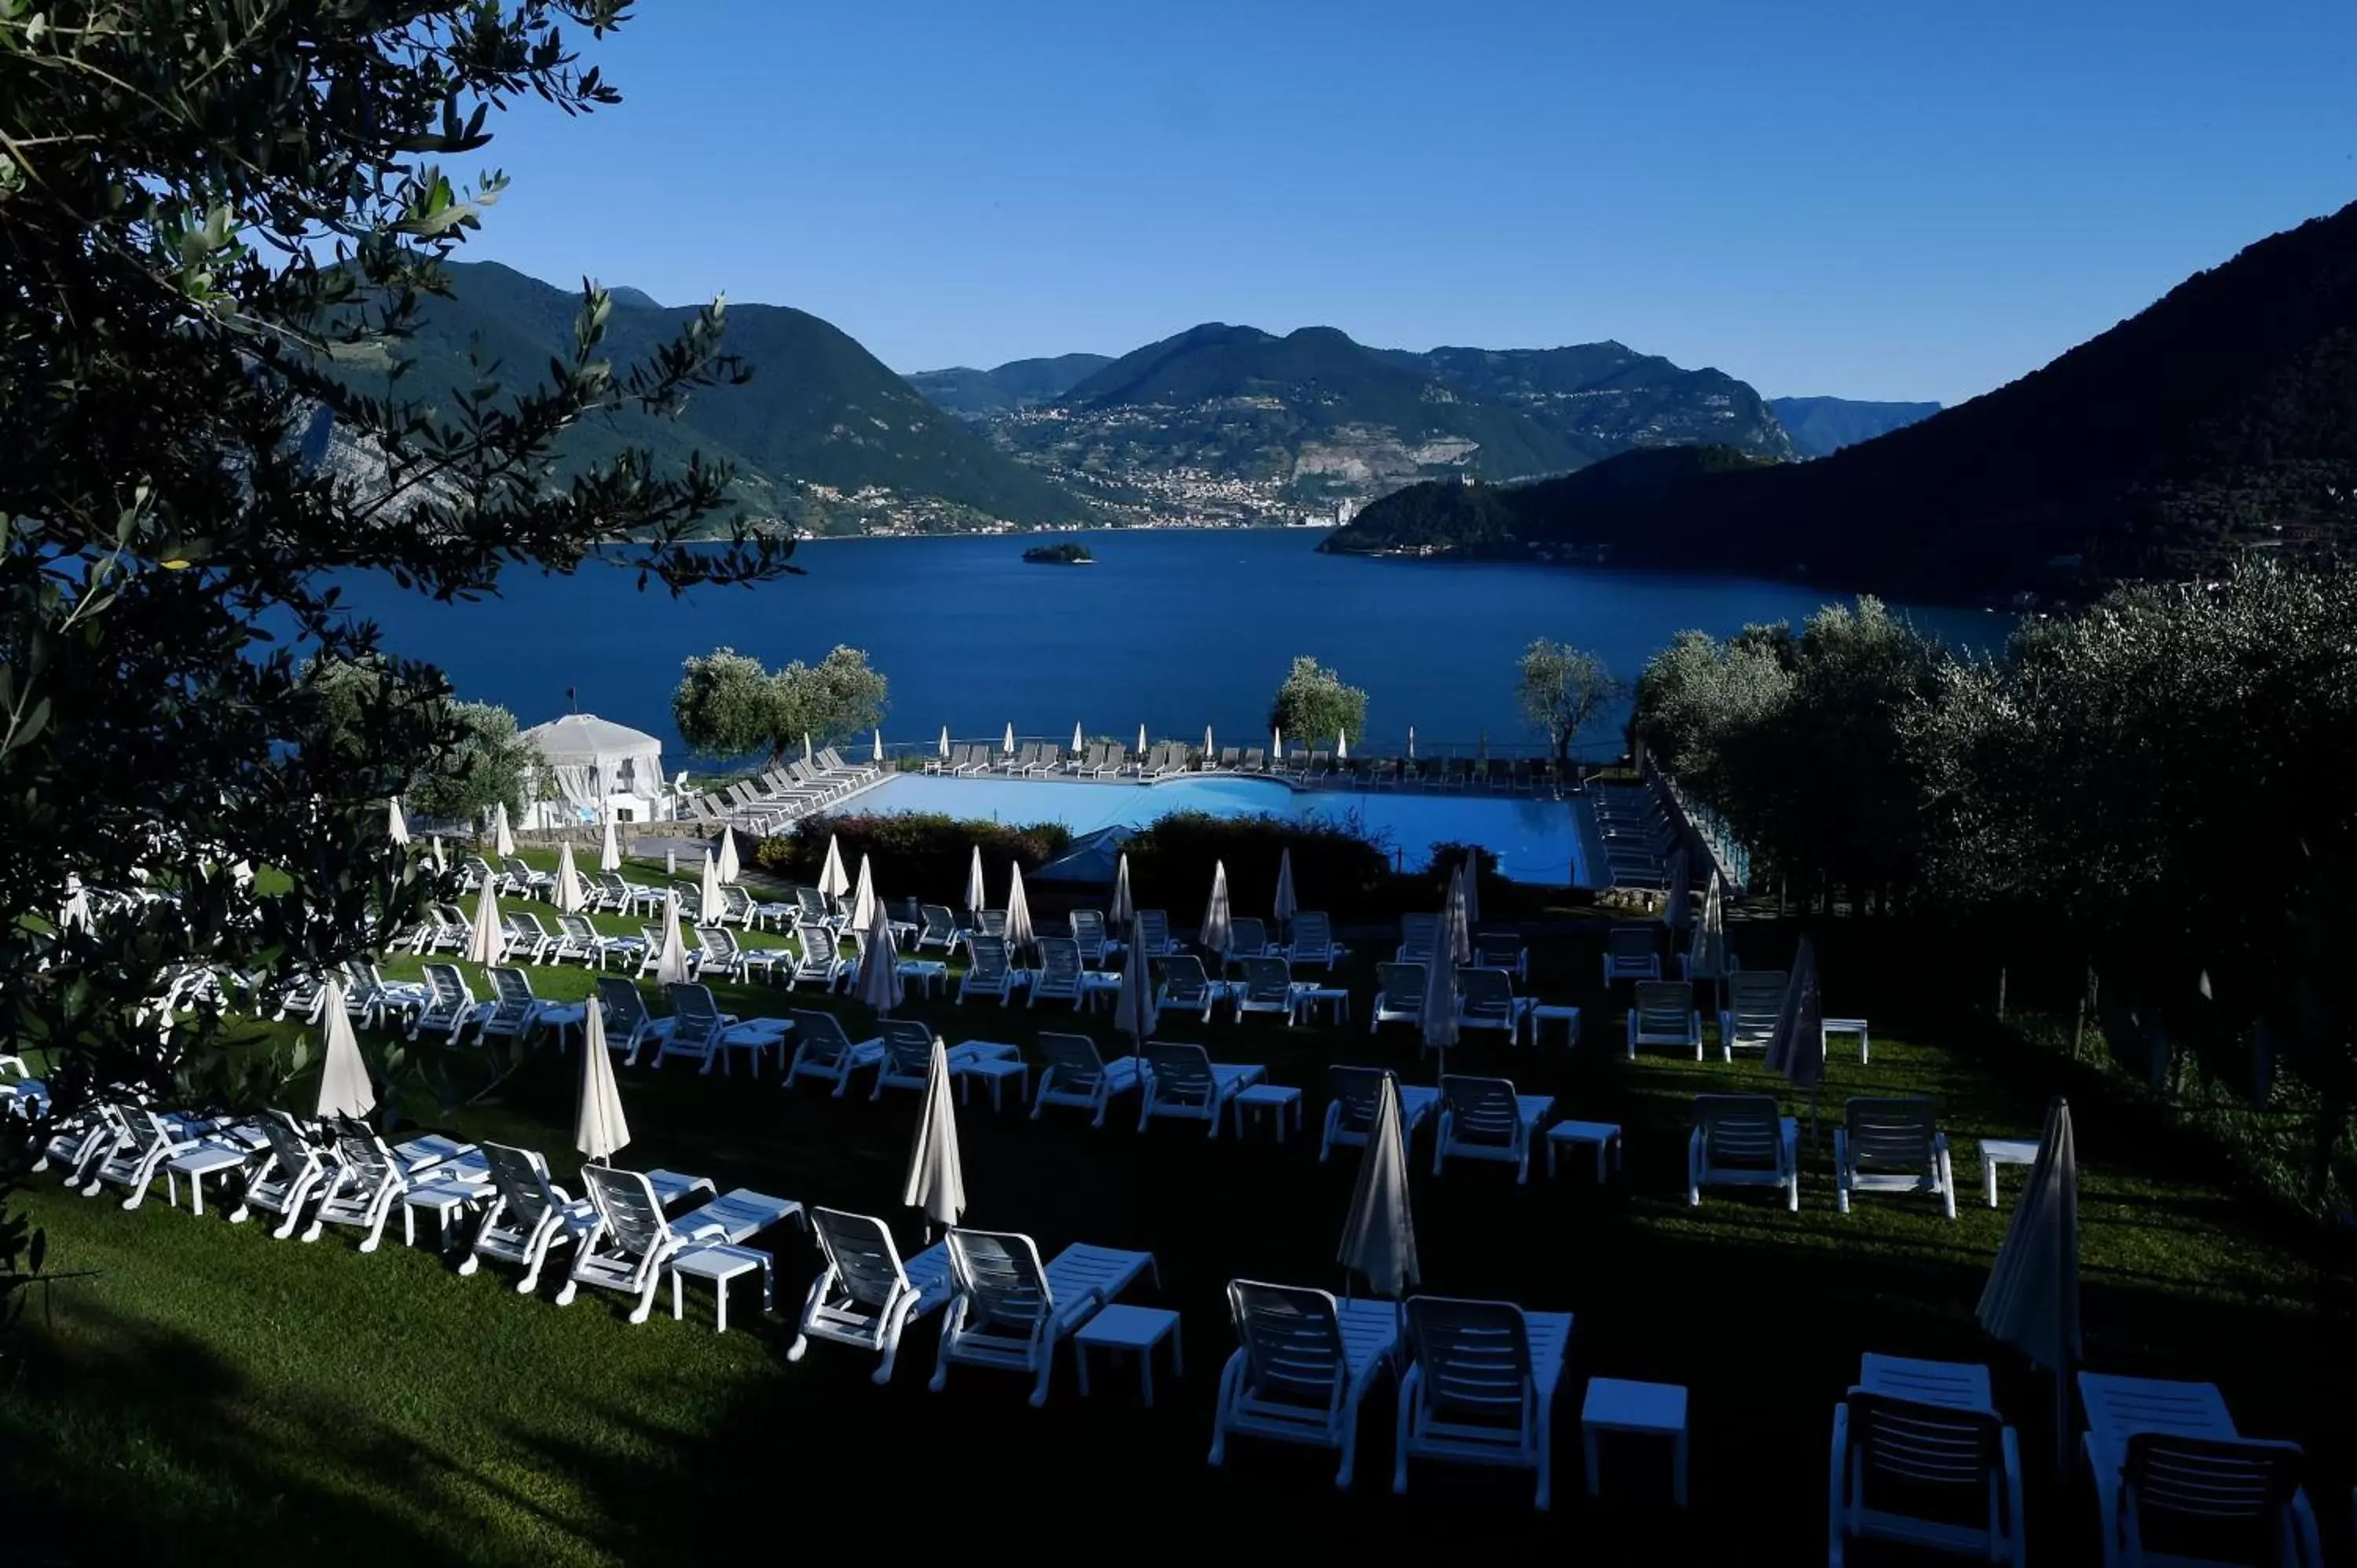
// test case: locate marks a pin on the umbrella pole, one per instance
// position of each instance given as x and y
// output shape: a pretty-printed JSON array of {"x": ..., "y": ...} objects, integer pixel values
[{"x": 2062, "y": 1424}]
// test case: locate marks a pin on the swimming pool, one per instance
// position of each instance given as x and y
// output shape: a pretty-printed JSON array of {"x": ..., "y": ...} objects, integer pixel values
[{"x": 1535, "y": 841}]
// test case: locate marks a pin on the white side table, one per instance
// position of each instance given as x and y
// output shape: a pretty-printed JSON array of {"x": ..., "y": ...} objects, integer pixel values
[
  {"x": 994, "y": 1072},
  {"x": 930, "y": 974},
  {"x": 1279, "y": 1097},
  {"x": 1095, "y": 985},
  {"x": 1996, "y": 1152},
  {"x": 1555, "y": 1013},
  {"x": 1847, "y": 1026},
  {"x": 720, "y": 1264},
  {"x": 1605, "y": 1135},
  {"x": 196, "y": 1165},
  {"x": 1133, "y": 1329},
  {"x": 1307, "y": 999},
  {"x": 1652, "y": 1410}
]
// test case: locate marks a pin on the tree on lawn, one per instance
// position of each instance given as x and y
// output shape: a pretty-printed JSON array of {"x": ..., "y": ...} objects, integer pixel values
[
  {"x": 201, "y": 224},
  {"x": 728, "y": 706},
  {"x": 1563, "y": 689},
  {"x": 1314, "y": 707}
]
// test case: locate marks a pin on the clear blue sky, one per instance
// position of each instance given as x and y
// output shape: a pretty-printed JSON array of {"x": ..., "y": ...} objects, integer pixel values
[{"x": 1892, "y": 200}]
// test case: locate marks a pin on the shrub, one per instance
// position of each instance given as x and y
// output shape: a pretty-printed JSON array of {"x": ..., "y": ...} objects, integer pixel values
[
  {"x": 924, "y": 854},
  {"x": 1336, "y": 868}
]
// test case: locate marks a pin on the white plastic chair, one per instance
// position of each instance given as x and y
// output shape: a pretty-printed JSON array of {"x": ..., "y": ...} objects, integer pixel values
[
  {"x": 1059, "y": 979},
  {"x": 990, "y": 970},
  {"x": 1896, "y": 1460},
  {"x": 1629, "y": 953},
  {"x": 1303, "y": 1364},
  {"x": 1183, "y": 1082},
  {"x": 1664, "y": 1014},
  {"x": 285, "y": 1180},
  {"x": 1484, "y": 1119},
  {"x": 865, "y": 1296},
  {"x": 1481, "y": 1386},
  {"x": 822, "y": 1050},
  {"x": 1076, "y": 1075},
  {"x": 1891, "y": 1144},
  {"x": 1399, "y": 995},
  {"x": 1007, "y": 1311},
  {"x": 529, "y": 1217},
  {"x": 1350, "y": 1108},
  {"x": 1754, "y": 999},
  {"x": 1742, "y": 1140},
  {"x": 1486, "y": 999}
]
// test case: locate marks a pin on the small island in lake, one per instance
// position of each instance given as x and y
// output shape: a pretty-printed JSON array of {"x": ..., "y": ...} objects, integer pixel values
[{"x": 1068, "y": 554}]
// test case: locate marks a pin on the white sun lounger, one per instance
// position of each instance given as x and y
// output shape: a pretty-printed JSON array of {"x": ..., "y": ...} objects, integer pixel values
[
  {"x": 144, "y": 1141},
  {"x": 1183, "y": 1082},
  {"x": 1480, "y": 1385},
  {"x": 1007, "y": 1311},
  {"x": 822, "y": 1050},
  {"x": 529, "y": 1216},
  {"x": 1303, "y": 1364},
  {"x": 1077, "y": 1076},
  {"x": 631, "y": 1242},
  {"x": 1484, "y": 1119},
  {"x": 1892, "y": 1144},
  {"x": 2169, "y": 1464},
  {"x": 865, "y": 1296},
  {"x": 1351, "y": 1111},
  {"x": 1895, "y": 1458},
  {"x": 1741, "y": 1140},
  {"x": 1664, "y": 1014},
  {"x": 1399, "y": 995},
  {"x": 286, "y": 1179},
  {"x": 369, "y": 1179}
]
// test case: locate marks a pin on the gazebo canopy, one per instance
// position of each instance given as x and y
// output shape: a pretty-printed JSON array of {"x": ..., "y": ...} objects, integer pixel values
[{"x": 593, "y": 758}]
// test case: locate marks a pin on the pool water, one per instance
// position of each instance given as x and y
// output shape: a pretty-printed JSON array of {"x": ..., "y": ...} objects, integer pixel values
[{"x": 1535, "y": 840}]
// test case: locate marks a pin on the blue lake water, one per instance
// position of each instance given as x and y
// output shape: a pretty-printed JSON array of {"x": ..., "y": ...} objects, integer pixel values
[
  {"x": 1534, "y": 840},
  {"x": 1171, "y": 629}
]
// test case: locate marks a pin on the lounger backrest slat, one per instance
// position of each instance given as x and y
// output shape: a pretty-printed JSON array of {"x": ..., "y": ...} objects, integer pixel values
[
  {"x": 1000, "y": 1273},
  {"x": 1060, "y": 963},
  {"x": 292, "y": 1150},
  {"x": 1488, "y": 994},
  {"x": 521, "y": 1178},
  {"x": 627, "y": 1201},
  {"x": 1181, "y": 1072},
  {"x": 907, "y": 1048},
  {"x": 1073, "y": 1060},
  {"x": 1419, "y": 936},
  {"x": 1740, "y": 1129},
  {"x": 1481, "y": 1110},
  {"x": 1665, "y": 1007},
  {"x": 1358, "y": 1090},
  {"x": 1154, "y": 928},
  {"x": 1904, "y": 1443},
  {"x": 1267, "y": 980},
  {"x": 1476, "y": 1356},
  {"x": 860, "y": 1248},
  {"x": 1892, "y": 1132},
  {"x": 1629, "y": 941},
  {"x": 990, "y": 958},
  {"x": 1401, "y": 983},
  {"x": 820, "y": 1039},
  {"x": 2220, "y": 1499},
  {"x": 1291, "y": 1338},
  {"x": 1312, "y": 931},
  {"x": 1183, "y": 978}
]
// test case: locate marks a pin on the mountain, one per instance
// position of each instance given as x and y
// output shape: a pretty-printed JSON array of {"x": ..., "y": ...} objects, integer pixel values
[
  {"x": 824, "y": 435},
  {"x": 2221, "y": 419},
  {"x": 1610, "y": 393},
  {"x": 637, "y": 298},
  {"x": 1821, "y": 426},
  {"x": 1018, "y": 383}
]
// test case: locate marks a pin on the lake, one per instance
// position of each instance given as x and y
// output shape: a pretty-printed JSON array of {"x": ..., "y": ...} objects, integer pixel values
[{"x": 1174, "y": 630}]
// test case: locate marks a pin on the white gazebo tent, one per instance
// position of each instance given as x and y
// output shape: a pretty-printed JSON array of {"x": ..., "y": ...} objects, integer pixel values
[{"x": 603, "y": 771}]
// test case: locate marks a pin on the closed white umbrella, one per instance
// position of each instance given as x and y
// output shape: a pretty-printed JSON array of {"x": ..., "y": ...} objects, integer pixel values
[
  {"x": 975, "y": 892},
  {"x": 1133, "y": 1006},
  {"x": 570, "y": 899},
  {"x": 1277, "y": 743},
  {"x": 1797, "y": 1049},
  {"x": 880, "y": 963},
  {"x": 2032, "y": 1300},
  {"x": 1124, "y": 908},
  {"x": 1472, "y": 890},
  {"x": 808, "y": 755},
  {"x": 486, "y": 942},
  {"x": 1379, "y": 1236},
  {"x": 670, "y": 964},
  {"x": 1208, "y": 752},
  {"x": 610, "y": 858},
  {"x": 709, "y": 904},
  {"x": 878, "y": 748},
  {"x": 865, "y": 907},
  {"x": 434, "y": 852},
  {"x": 1284, "y": 903},
  {"x": 1018, "y": 911},
  {"x": 832, "y": 881},
  {"x": 944, "y": 748},
  {"x": 1141, "y": 740},
  {"x": 502, "y": 839},
  {"x": 1707, "y": 955},
  {"x": 396, "y": 825},
  {"x": 75, "y": 916},
  {"x": 1411, "y": 743},
  {"x": 599, "y": 1131},
  {"x": 1674, "y": 908},
  {"x": 1216, "y": 936},
  {"x": 731, "y": 869},
  {"x": 1454, "y": 925},
  {"x": 936, "y": 1183},
  {"x": 1078, "y": 746},
  {"x": 1437, "y": 1018},
  {"x": 1343, "y": 746},
  {"x": 1007, "y": 744},
  {"x": 344, "y": 1086}
]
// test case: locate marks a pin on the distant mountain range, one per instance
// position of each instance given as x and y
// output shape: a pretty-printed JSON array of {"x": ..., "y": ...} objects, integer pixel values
[
  {"x": 1233, "y": 421},
  {"x": 824, "y": 436},
  {"x": 1821, "y": 426},
  {"x": 2221, "y": 420}
]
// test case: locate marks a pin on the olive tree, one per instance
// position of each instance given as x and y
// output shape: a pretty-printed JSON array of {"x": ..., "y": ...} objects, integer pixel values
[
  {"x": 207, "y": 217},
  {"x": 1564, "y": 690},
  {"x": 1314, "y": 703},
  {"x": 728, "y": 706}
]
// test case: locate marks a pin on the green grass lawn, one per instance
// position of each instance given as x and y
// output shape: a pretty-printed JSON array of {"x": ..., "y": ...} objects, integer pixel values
[{"x": 189, "y": 1389}]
